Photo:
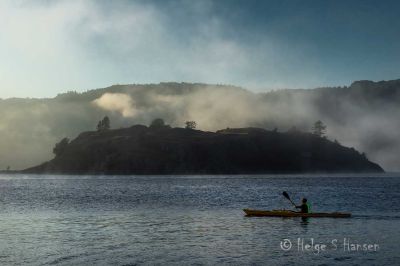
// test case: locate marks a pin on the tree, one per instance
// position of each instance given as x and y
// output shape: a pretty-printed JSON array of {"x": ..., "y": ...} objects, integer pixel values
[
  {"x": 319, "y": 129},
  {"x": 158, "y": 122},
  {"x": 190, "y": 125},
  {"x": 60, "y": 147},
  {"x": 103, "y": 124}
]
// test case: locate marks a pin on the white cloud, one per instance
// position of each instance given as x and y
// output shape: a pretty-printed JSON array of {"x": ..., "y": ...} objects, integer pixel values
[{"x": 117, "y": 102}]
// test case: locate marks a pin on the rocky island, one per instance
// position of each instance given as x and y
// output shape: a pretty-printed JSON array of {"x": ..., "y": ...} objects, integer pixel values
[{"x": 165, "y": 150}]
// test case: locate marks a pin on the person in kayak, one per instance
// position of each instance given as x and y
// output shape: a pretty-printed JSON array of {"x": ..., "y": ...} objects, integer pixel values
[{"x": 304, "y": 206}]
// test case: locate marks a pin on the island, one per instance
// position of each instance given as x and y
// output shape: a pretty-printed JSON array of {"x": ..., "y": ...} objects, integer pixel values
[{"x": 163, "y": 150}]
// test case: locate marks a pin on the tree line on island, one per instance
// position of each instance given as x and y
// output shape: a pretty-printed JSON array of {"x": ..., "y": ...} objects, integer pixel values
[
  {"x": 319, "y": 129},
  {"x": 104, "y": 124}
]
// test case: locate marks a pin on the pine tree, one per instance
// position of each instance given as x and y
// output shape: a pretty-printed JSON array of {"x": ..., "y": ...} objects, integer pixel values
[
  {"x": 190, "y": 125},
  {"x": 103, "y": 124},
  {"x": 319, "y": 129}
]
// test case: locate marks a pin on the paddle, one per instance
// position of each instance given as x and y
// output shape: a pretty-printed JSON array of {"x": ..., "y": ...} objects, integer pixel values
[{"x": 286, "y": 195}]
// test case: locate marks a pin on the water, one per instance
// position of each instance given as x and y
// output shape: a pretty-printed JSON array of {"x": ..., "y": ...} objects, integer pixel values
[{"x": 66, "y": 220}]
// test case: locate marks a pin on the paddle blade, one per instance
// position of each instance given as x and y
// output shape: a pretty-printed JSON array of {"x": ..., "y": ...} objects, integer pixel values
[{"x": 286, "y": 195}]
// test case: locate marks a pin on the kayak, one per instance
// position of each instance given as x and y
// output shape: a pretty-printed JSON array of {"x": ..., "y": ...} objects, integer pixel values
[{"x": 289, "y": 213}]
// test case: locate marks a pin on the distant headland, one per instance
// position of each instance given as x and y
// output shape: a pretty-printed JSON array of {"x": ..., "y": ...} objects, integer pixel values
[{"x": 161, "y": 149}]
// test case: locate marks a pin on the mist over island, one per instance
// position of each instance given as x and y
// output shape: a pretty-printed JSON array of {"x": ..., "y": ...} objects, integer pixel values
[
  {"x": 363, "y": 115},
  {"x": 65, "y": 47}
]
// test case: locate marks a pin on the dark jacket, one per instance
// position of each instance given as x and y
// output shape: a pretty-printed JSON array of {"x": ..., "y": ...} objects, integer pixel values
[{"x": 303, "y": 207}]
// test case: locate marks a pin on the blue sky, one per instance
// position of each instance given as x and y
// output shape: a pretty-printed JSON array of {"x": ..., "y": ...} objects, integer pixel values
[{"x": 48, "y": 47}]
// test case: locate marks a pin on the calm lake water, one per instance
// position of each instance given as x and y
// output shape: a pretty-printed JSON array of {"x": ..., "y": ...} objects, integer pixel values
[{"x": 181, "y": 220}]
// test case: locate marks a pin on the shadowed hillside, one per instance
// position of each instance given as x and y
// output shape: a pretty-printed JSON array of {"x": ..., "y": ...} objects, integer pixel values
[{"x": 164, "y": 150}]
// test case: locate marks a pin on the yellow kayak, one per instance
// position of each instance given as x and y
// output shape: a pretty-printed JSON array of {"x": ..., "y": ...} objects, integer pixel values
[{"x": 289, "y": 213}]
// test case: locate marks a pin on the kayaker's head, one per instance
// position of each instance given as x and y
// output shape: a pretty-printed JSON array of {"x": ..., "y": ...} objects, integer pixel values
[{"x": 304, "y": 200}]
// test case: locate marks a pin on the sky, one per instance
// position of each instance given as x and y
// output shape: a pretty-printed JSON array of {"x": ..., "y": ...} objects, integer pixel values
[{"x": 50, "y": 47}]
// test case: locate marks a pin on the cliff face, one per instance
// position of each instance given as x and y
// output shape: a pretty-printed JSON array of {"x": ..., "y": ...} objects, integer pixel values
[{"x": 165, "y": 150}]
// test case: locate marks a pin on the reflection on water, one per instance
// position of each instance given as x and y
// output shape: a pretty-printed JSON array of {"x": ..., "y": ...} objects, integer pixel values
[
  {"x": 178, "y": 220},
  {"x": 304, "y": 221}
]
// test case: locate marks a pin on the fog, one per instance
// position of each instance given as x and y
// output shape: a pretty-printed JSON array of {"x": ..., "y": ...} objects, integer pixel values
[
  {"x": 30, "y": 127},
  {"x": 117, "y": 102}
]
